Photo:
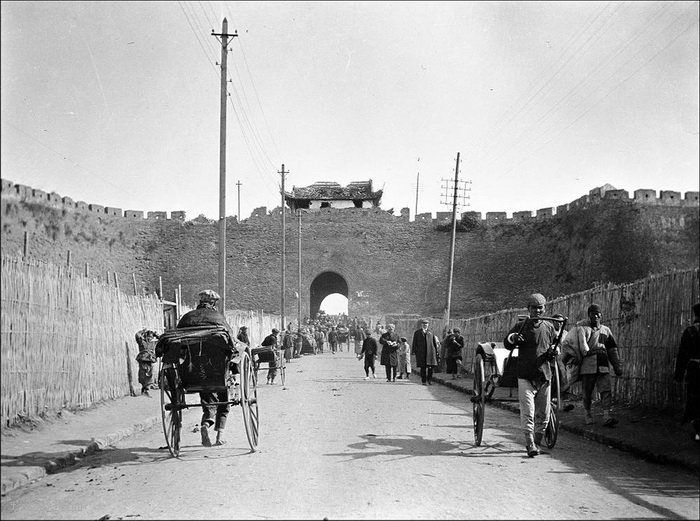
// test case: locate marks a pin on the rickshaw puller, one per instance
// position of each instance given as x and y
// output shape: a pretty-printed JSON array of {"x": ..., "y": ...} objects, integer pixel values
[{"x": 206, "y": 314}]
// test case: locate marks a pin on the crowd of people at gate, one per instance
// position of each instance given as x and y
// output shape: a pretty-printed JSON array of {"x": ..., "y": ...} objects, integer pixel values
[{"x": 587, "y": 353}]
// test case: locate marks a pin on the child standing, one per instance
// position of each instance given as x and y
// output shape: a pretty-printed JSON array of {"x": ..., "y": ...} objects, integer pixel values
[{"x": 404, "y": 358}]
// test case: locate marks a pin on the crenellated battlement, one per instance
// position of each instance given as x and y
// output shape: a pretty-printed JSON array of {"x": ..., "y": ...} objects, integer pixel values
[
  {"x": 54, "y": 200},
  {"x": 389, "y": 259},
  {"x": 594, "y": 197}
]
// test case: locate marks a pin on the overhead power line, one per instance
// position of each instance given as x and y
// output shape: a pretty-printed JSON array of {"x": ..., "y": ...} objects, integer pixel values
[{"x": 614, "y": 88}]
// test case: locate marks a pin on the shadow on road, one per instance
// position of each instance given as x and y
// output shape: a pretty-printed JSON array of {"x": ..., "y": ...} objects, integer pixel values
[
  {"x": 402, "y": 446},
  {"x": 63, "y": 461}
]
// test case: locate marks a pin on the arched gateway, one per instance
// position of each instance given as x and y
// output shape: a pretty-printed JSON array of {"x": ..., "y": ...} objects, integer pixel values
[{"x": 326, "y": 283}]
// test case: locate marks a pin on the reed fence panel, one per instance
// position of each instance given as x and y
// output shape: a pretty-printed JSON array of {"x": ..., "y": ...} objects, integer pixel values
[
  {"x": 66, "y": 339},
  {"x": 646, "y": 316},
  {"x": 259, "y": 324}
]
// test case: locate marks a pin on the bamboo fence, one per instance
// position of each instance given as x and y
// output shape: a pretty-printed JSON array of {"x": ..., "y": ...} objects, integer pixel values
[
  {"x": 259, "y": 324},
  {"x": 67, "y": 341},
  {"x": 646, "y": 316}
]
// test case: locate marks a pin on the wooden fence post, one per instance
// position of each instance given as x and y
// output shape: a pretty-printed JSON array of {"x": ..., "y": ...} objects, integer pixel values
[{"x": 129, "y": 372}]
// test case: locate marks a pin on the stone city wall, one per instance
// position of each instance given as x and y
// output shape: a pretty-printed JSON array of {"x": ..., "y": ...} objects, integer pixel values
[{"x": 390, "y": 264}]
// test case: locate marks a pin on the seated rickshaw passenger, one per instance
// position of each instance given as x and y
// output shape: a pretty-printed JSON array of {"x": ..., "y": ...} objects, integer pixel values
[{"x": 206, "y": 314}]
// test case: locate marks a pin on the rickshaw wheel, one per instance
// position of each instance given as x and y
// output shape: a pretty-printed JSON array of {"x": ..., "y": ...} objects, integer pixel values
[
  {"x": 552, "y": 431},
  {"x": 171, "y": 396},
  {"x": 478, "y": 399},
  {"x": 249, "y": 401}
]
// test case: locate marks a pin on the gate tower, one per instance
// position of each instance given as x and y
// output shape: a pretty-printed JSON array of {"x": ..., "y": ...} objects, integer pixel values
[{"x": 314, "y": 199}]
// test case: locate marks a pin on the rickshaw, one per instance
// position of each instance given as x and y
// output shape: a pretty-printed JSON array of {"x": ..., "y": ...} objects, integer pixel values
[
  {"x": 495, "y": 366},
  {"x": 269, "y": 355},
  {"x": 204, "y": 359}
]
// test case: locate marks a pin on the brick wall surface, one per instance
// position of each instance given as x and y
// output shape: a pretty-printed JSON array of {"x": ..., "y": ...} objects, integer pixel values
[{"x": 390, "y": 265}]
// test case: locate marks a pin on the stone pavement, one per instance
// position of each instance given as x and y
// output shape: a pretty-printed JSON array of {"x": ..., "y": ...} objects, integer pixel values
[{"x": 30, "y": 452}]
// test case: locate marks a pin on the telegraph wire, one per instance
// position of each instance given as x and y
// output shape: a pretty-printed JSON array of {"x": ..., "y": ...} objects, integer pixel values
[
  {"x": 243, "y": 99},
  {"x": 189, "y": 22},
  {"x": 211, "y": 10},
  {"x": 244, "y": 121},
  {"x": 500, "y": 123},
  {"x": 254, "y": 142},
  {"x": 257, "y": 97},
  {"x": 548, "y": 85},
  {"x": 255, "y": 148},
  {"x": 63, "y": 156},
  {"x": 693, "y": 22},
  {"x": 601, "y": 64},
  {"x": 518, "y": 143}
]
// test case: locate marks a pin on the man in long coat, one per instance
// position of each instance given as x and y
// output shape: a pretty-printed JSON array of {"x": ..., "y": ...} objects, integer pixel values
[
  {"x": 390, "y": 356},
  {"x": 425, "y": 350}
]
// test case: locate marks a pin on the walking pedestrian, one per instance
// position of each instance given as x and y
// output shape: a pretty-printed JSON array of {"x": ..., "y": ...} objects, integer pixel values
[
  {"x": 288, "y": 345},
  {"x": 146, "y": 340},
  {"x": 533, "y": 338},
  {"x": 359, "y": 337},
  {"x": 212, "y": 415},
  {"x": 425, "y": 350},
  {"x": 688, "y": 364},
  {"x": 369, "y": 350},
  {"x": 333, "y": 339},
  {"x": 320, "y": 337},
  {"x": 390, "y": 357},
  {"x": 454, "y": 343},
  {"x": 404, "y": 367},
  {"x": 600, "y": 348},
  {"x": 271, "y": 341}
]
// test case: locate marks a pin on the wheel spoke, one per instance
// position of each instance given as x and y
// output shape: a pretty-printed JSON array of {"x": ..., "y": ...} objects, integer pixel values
[
  {"x": 171, "y": 413},
  {"x": 478, "y": 399}
]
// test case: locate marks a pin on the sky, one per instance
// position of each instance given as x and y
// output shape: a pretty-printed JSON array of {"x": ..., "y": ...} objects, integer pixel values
[{"x": 119, "y": 103}]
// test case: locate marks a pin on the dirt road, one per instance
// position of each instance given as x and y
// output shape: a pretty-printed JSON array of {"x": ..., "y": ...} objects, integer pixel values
[{"x": 336, "y": 446}]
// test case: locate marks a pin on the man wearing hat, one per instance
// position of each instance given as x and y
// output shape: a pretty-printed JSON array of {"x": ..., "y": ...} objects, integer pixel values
[
  {"x": 600, "y": 347},
  {"x": 425, "y": 349},
  {"x": 272, "y": 342},
  {"x": 206, "y": 314},
  {"x": 533, "y": 338}
]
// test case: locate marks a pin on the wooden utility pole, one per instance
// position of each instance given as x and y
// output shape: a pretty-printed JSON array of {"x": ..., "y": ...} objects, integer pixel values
[
  {"x": 299, "y": 283},
  {"x": 284, "y": 248},
  {"x": 452, "y": 244},
  {"x": 222, "y": 164},
  {"x": 238, "y": 185}
]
